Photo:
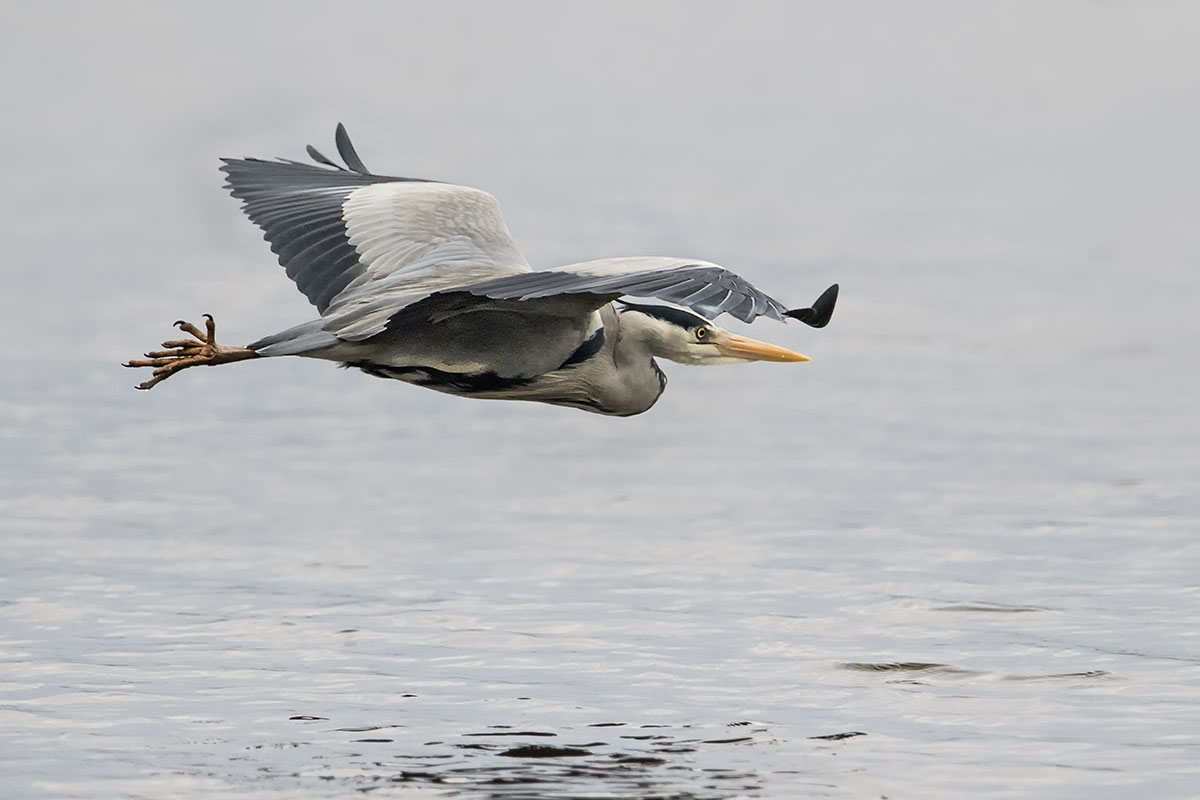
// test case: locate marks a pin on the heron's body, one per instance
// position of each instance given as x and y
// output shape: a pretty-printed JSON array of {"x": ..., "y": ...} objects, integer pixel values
[
  {"x": 421, "y": 282},
  {"x": 596, "y": 362}
]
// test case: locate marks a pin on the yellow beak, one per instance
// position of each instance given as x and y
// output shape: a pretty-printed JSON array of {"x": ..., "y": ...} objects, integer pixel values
[{"x": 730, "y": 344}]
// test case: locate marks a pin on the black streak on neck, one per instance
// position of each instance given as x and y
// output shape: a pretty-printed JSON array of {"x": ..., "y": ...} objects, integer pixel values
[{"x": 587, "y": 350}]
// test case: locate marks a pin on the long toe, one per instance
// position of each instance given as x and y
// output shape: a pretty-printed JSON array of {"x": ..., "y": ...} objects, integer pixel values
[
  {"x": 188, "y": 327},
  {"x": 191, "y": 350},
  {"x": 147, "y": 362},
  {"x": 210, "y": 326}
]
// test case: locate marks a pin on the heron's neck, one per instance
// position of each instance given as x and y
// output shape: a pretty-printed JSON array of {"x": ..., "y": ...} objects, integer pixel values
[
  {"x": 646, "y": 337},
  {"x": 637, "y": 379}
]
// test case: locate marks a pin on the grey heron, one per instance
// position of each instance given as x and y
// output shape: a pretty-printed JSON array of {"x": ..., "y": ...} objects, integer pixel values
[{"x": 420, "y": 281}]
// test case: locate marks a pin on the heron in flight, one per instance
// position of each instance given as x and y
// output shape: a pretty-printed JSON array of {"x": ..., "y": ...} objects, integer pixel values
[{"x": 420, "y": 281}]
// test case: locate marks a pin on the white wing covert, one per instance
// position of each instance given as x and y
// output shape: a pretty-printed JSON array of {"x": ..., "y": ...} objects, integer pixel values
[{"x": 362, "y": 246}]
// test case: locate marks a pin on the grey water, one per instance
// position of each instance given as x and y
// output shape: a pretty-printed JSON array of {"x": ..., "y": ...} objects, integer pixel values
[{"x": 955, "y": 555}]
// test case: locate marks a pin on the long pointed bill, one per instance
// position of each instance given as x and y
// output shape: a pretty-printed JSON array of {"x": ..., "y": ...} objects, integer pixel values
[{"x": 730, "y": 344}]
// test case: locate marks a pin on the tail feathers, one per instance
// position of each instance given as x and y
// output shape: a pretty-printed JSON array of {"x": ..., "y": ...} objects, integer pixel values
[{"x": 298, "y": 341}]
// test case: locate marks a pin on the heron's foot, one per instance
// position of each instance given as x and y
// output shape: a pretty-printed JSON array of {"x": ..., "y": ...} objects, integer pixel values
[{"x": 179, "y": 354}]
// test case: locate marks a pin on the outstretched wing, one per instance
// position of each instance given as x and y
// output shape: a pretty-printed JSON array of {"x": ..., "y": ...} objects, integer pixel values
[
  {"x": 706, "y": 288},
  {"x": 362, "y": 246}
]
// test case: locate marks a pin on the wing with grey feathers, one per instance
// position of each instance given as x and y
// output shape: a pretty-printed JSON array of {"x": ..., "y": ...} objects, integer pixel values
[
  {"x": 362, "y": 246},
  {"x": 705, "y": 288}
]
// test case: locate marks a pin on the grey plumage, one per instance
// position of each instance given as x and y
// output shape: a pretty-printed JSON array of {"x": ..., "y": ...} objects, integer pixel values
[
  {"x": 421, "y": 281},
  {"x": 708, "y": 289}
]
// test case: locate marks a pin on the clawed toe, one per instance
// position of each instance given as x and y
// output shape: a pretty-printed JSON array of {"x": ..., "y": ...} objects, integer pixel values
[
  {"x": 147, "y": 362},
  {"x": 207, "y": 336},
  {"x": 188, "y": 327},
  {"x": 179, "y": 343}
]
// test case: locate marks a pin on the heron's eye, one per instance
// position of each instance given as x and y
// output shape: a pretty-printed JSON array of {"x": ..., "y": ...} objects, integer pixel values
[{"x": 701, "y": 333}]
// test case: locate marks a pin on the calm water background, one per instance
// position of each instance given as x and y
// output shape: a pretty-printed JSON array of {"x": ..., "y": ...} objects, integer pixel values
[{"x": 967, "y": 532}]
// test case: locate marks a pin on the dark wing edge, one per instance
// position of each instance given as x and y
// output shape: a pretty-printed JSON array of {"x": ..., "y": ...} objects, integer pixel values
[
  {"x": 821, "y": 311},
  {"x": 708, "y": 290},
  {"x": 299, "y": 208}
]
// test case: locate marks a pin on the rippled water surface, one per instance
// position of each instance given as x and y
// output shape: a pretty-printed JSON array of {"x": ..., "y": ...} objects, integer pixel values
[{"x": 956, "y": 555}]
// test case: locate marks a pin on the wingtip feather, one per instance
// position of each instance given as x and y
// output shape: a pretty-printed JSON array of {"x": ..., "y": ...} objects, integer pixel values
[
  {"x": 347, "y": 151},
  {"x": 319, "y": 157},
  {"x": 821, "y": 312}
]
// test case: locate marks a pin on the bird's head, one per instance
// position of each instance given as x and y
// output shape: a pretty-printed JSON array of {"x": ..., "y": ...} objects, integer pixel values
[{"x": 679, "y": 335}]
